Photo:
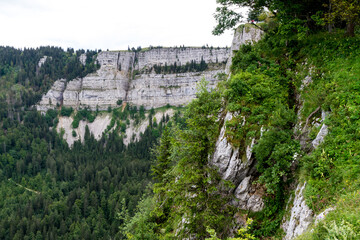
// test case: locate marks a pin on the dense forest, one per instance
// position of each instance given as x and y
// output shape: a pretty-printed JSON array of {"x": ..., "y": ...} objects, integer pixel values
[{"x": 51, "y": 191}]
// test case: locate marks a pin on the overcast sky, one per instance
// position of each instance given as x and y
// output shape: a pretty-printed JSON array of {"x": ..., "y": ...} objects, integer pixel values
[{"x": 109, "y": 24}]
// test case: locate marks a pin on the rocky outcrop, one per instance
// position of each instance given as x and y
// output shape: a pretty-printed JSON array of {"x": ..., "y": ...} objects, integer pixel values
[
  {"x": 232, "y": 164},
  {"x": 322, "y": 133},
  {"x": 96, "y": 128},
  {"x": 53, "y": 97},
  {"x": 181, "y": 56},
  {"x": 301, "y": 215},
  {"x": 133, "y": 132},
  {"x": 243, "y": 35},
  {"x": 117, "y": 80},
  {"x": 156, "y": 90},
  {"x": 42, "y": 61},
  {"x": 82, "y": 59},
  {"x": 238, "y": 169}
]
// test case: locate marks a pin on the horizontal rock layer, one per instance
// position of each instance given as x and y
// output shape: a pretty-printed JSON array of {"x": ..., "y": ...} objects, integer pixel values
[{"x": 116, "y": 80}]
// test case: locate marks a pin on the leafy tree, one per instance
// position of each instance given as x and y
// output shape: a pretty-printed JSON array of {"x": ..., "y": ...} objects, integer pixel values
[
  {"x": 346, "y": 10},
  {"x": 287, "y": 12}
]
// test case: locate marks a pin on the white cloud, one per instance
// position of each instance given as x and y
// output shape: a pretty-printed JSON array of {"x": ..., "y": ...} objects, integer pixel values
[{"x": 109, "y": 24}]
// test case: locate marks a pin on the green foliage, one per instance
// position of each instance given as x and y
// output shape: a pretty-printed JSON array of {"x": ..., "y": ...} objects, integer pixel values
[
  {"x": 275, "y": 149},
  {"x": 192, "y": 66},
  {"x": 293, "y": 16},
  {"x": 341, "y": 223},
  {"x": 243, "y": 233},
  {"x": 346, "y": 10},
  {"x": 83, "y": 114},
  {"x": 50, "y": 117},
  {"x": 186, "y": 186},
  {"x": 141, "y": 225},
  {"x": 119, "y": 102},
  {"x": 331, "y": 169},
  {"x": 259, "y": 94},
  {"x": 66, "y": 112},
  {"x": 81, "y": 188}
]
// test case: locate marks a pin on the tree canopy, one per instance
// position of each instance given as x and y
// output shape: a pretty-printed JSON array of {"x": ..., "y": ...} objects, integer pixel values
[{"x": 293, "y": 12}]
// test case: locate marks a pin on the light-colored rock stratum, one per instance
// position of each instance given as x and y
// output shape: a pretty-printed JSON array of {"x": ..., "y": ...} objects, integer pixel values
[{"x": 130, "y": 77}]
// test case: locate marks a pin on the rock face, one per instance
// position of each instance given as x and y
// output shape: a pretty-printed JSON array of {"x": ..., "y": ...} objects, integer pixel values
[
  {"x": 121, "y": 77},
  {"x": 181, "y": 56},
  {"x": 322, "y": 133},
  {"x": 238, "y": 169},
  {"x": 42, "y": 61},
  {"x": 82, "y": 58},
  {"x": 134, "y": 132},
  {"x": 53, "y": 97},
  {"x": 242, "y": 35},
  {"x": 96, "y": 128},
  {"x": 156, "y": 90},
  {"x": 301, "y": 215},
  {"x": 233, "y": 165}
]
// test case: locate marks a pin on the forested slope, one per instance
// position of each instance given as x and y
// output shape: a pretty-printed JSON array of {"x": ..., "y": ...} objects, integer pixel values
[
  {"x": 49, "y": 191},
  {"x": 295, "y": 95},
  {"x": 288, "y": 114}
]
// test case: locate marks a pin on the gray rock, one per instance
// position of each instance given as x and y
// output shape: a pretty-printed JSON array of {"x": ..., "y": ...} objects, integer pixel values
[
  {"x": 223, "y": 150},
  {"x": 157, "y": 90},
  {"x": 232, "y": 168},
  {"x": 82, "y": 59},
  {"x": 115, "y": 79},
  {"x": 321, "y": 216},
  {"x": 322, "y": 133},
  {"x": 243, "y": 187},
  {"x": 53, "y": 97},
  {"x": 42, "y": 61},
  {"x": 227, "y": 160},
  {"x": 301, "y": 215},
  {"x": 255, "y": 203},
  {"x": 181, "y": 56},
  {"x": 242, "y": 35}
]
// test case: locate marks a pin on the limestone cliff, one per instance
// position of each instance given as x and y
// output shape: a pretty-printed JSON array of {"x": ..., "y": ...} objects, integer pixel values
[
  {"x": 231, "y": 163},
  {"x": 242, "y": 35},
  {"x": 129, "y": 76}
]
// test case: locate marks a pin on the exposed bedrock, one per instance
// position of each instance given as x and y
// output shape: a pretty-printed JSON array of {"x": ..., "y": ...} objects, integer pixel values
[{"x": 117, "y": 80}]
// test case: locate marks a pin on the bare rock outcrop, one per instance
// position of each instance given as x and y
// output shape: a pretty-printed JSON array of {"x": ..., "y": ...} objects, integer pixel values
[
  {"x": 238, "y": 169},
  {"x": 96, "y": 128},
  {"x": 53, "y": 97},
  {"x": 83, "y": 58},
  {"x": 242, "y": 35},
  {"x": 42, "y": 61},
  {"x": 117, "y": 80},
  {"x": 301, "y": 215}
]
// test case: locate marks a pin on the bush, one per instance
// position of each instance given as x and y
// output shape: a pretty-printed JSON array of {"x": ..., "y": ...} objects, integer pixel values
[{"x": 66, "y": 112}]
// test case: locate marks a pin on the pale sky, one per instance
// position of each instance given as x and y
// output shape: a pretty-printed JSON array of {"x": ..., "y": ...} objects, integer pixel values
[{"x": 109, "y": 24}]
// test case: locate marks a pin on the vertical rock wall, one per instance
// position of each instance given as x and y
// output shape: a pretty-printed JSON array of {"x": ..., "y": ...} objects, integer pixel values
[
  {"x": 116, "y": 80},
  {"x": 235, "y": 165}
]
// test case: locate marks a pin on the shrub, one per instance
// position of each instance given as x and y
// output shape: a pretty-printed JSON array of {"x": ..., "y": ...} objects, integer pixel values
[{"x": 66, "y": 112}]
